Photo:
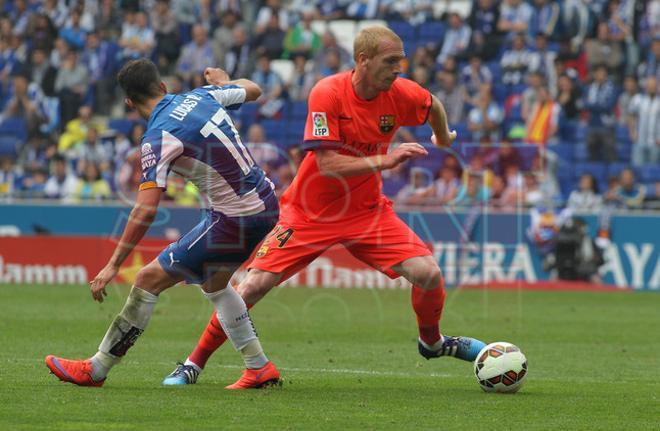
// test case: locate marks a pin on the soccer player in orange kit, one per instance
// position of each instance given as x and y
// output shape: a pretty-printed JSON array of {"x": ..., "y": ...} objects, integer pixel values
[{"x": 336, "y": 196}]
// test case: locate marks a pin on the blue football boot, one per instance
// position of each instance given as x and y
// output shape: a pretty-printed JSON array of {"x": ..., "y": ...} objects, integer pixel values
[
  {"x": 182, "y": 375},
  {"x": 464, "y": 348}
]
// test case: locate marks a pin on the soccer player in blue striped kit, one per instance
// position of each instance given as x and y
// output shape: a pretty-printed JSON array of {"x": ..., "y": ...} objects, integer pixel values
[{"x": 192, "y": 135}]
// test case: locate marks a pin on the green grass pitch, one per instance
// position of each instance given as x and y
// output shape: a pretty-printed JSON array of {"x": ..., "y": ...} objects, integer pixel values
[{"x": 349, "y": 359}]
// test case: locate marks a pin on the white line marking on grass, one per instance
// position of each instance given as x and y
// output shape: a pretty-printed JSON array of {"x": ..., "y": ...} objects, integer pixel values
[
  {"x": 537, "y": 376},
  {"x": 291, "y": 369}
]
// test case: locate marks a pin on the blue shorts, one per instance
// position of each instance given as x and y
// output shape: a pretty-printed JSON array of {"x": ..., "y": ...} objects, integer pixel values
[{"x": 217, "y": 243}]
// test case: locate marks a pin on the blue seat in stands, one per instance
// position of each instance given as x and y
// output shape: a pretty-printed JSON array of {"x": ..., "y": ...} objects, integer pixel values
[
  {"x": 568, "y": 130},
  {"x": 623, "y": 135},
  {"x": 298, "y": 110},
  {"x": 403, "y": 29},
  {"x": 14, "y": 126},
  {"x": 567, "y": 185},
  {"x": 392, "y": 186},
  {"x": 9, "y": 146},
  {"x": 614, "y": 169},
  {"x": 431, "y": 32},
  {"x": 623, "y": 152},
  {"x": 649, "y": 173},
  {"x": 581, "y": 152},
  {"x": 274, "y": 129},
  {"x": 121, "y": 125},
  {"x": 564, "y": 151},
  {"x": 464, "y": 134},
  {"x": 597, "y": 169},
  {"x": 499, "y": 92}
]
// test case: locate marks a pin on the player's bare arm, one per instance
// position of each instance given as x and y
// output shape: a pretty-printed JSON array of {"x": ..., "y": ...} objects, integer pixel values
[
  {"x": 331, "y": 163},
  {"x": 217, "y": 76},
  {"x": 141, "y": 217},
  {"x": 442, "y": 136}
]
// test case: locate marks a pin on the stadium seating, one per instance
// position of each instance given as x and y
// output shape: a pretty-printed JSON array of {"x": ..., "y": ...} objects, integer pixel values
[
  {"x": 406, "y": 31},
  {"x": 344, "y": 31},
  {"x": 368, "y": 23},
  {"x": 622, "y": 135},
  {"x": 581, "y": 152},
  {"x": 462, "y": 7},
  {"x": 14, "y": 127},
  {"x": 564, "y": 151},
  {"x": 597, "y": 169},
  {"x": 623, "y": 152},
  {"x": 392, "y": 186},
  {"x": 9, "y": 146},
  {"x": 121, "y": 125},
  {"x": 464, "y": 134},
  {"x": 650, "y": 173},
  {"x": 431, "y": 32},
  {"x": 297, "y": 110},
  {"x": 319, "y": 26},
  {"x": 614, "y": 169},
  {"x": 288, "y": 128},
  {"x": 284, "y": 68}
]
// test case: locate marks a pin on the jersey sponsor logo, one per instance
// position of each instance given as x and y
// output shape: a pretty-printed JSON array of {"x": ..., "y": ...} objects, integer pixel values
[
  {"x": 386, "y": 123},
  {"x": 148, "y": 158},
  {"x": 146, "y": 148},
  {"x": 320, "y": 124}
]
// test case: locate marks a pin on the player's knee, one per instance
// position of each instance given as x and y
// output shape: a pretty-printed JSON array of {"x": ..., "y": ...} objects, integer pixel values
[
  {"x": 149, "y": 278},
  {"x": 432, "y": 279},
  {"x": 255, "y": 286}
]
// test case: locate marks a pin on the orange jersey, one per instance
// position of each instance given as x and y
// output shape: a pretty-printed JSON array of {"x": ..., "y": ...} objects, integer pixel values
[{"x": 337, "y": 118}]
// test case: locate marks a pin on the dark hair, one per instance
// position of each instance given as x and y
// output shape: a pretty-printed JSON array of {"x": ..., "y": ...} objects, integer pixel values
[
  {"x": 140, "y": 80},
  {"x": 594, "y": 184},
  {"x": 601, "y": 66}
]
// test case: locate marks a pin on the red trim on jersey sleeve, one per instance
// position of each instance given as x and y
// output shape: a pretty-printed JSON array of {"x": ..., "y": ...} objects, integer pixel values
[
  {"x": 428, "y": 110},
  {"x": 319, "y": 144}
]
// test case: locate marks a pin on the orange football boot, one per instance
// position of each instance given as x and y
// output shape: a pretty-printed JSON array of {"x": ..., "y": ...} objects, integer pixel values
[
  {"x": 259, "y": 378},
  {"x": 78, "y": 372}
]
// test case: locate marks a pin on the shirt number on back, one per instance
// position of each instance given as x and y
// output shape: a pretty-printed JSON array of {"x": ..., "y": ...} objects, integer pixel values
[{"x": 212, "y": 127}]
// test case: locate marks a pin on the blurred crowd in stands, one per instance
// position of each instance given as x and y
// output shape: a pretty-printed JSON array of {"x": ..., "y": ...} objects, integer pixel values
[{"x": 555, "y": 102}]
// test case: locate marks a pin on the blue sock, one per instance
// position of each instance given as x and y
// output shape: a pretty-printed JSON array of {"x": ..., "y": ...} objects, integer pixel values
[{"x": 469, "y": 348}]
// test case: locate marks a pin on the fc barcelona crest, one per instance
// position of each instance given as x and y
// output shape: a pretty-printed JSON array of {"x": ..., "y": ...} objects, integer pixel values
[
  {"x": 262, "y": 251},
  {"x": 386, "y": 123}
]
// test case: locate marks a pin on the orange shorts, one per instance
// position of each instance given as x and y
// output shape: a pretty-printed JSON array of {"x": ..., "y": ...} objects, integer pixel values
[{"x": 378, "y": 238}]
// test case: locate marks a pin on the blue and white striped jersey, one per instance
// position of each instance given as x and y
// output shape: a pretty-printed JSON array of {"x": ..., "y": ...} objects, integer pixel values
[{"x": 193, "y": 135}]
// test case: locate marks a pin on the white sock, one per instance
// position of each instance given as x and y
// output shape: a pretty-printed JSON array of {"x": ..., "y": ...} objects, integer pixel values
[
  {"x": 436, "y": 346},
  {"x": 124, "y": 331},
  {"x": 190, "y": 363},
  {"x": 253, "y": 355},
  {"x": 235, "y": 321},
  {"x": 101, "y": 365}
]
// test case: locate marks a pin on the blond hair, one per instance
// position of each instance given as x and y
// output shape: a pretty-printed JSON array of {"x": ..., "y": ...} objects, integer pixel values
[{"x": 369, "y": 38}]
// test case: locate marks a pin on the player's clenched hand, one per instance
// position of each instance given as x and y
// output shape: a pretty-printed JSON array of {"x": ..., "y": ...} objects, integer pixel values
[
  {"x": 405, "y": 151},
  {"x": 97, "y": 286},
  {"x": 215, "y": 75},
  {"x": 445, "y": 140}
]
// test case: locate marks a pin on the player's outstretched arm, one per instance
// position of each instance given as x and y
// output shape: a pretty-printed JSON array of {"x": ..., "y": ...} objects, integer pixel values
[
  {"x": 442, "y": 136},
  {"x": 217, "y": 76},
  {"x": 141, "y": 217},
  {"x": 333, "y": 164}
]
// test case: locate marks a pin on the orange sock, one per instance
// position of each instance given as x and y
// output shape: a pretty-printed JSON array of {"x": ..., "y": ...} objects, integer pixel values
[
  {"x": 428, "y": 307},
  {"x": 212, "y": 338}
]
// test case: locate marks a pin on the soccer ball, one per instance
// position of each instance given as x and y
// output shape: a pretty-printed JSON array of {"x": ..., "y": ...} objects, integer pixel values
[{"x": 500, "y": 367}]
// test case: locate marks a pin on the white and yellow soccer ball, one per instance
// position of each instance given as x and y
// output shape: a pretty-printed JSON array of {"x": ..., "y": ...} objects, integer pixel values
[{"x": 500, "y": 367}]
